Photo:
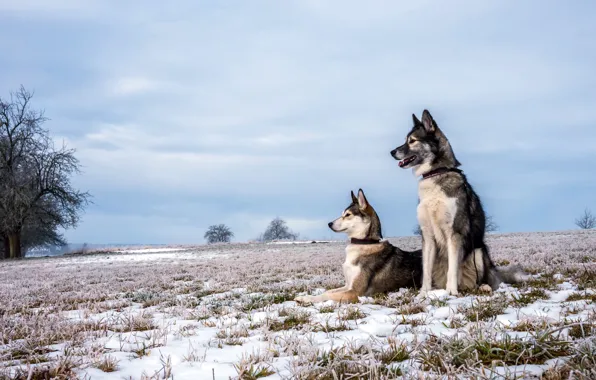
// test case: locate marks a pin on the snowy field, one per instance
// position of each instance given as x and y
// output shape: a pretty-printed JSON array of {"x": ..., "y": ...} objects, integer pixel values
[{"x": 227, "y": 311}]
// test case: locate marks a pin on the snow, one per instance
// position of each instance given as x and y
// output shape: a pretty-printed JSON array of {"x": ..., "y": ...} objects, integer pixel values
[
  {"x": 152, "y": 250},
  {"x": 380, "y": 322},
  {"x": 198, "y": 297}
]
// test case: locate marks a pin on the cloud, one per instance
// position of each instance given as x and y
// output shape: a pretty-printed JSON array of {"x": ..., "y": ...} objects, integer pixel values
[{"x": 134, "y": 85}]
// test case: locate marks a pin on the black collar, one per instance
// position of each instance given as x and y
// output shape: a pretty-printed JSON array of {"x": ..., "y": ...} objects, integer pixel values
[
  {"x": 440, "y": 171},
  {"x": 364, "y": 241}
]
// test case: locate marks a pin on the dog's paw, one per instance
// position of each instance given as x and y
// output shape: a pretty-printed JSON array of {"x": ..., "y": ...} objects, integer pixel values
[
  {"x": 452, "y": 290},
  {"x": 485, "y": 288},
  {"x": 424, "y": 292},
  {"x": 304, "y": 300}
]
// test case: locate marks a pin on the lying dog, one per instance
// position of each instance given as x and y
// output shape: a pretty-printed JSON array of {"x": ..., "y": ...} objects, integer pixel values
[{"x": 372, "y": 266}]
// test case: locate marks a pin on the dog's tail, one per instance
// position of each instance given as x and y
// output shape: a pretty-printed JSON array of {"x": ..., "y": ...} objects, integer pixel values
[
  {"x": 491, "y": 274},
  {"x": 513, "y": 274},
  {"x": 495, "y": 275}
]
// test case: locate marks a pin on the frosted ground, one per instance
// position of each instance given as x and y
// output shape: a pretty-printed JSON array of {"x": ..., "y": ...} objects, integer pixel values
[{"x": 227, "y": 312}]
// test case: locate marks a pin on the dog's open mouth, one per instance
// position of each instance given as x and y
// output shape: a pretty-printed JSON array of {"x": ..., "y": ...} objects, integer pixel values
[{"x": 407, "y": 161}]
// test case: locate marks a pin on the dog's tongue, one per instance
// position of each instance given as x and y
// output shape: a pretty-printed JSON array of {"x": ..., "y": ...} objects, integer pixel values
[{"x": 406, "y": 161}]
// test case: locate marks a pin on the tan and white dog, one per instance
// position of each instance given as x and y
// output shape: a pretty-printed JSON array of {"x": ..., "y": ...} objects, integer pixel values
[{"x": 372, "y": 266}]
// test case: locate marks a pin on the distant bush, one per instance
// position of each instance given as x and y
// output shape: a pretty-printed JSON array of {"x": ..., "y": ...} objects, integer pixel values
[
  {"x": 491, "y": 225},
  {"x": 586, "y": 221},
  {"x": 219, "y": 233},
  {"x": 278, "y": 230},
  {"x": 417, "y": 230}
]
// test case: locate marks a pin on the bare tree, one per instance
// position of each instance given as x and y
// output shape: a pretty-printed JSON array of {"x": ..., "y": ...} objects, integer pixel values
[
  {"x": 417, "y": 230},
  {"x": 4, "y": 247},
  {"x": 41, "y": 229},
  {"x": 219, "y": 233},
  {"x": 278, "y": 230},
  {"x": 35, "y": 188},
  {"x": 490, "y": 224},
  {"x": 586, "y": 221}
]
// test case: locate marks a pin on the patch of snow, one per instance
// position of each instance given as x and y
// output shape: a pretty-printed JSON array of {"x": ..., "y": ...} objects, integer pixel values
[{"x": 152, "y": 250}]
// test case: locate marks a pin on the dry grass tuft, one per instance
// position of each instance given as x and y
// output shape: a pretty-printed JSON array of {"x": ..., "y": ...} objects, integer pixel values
[
  {"x": 450, "y": 355},
  {"x": 580, "y": 296},
  {"x": 528, "y": 297},
  {"x": 351, "y": 313},
  {"x": 485, "y": 308},
  {"x": 107, "y": 364},
  {"x": 412, "y": 308},
  {"x": 251, "y": 371},
  {"x": 293, "y": 319},
  {"x": 395, "y": 352},
  {"x": 61, "y": 369}
]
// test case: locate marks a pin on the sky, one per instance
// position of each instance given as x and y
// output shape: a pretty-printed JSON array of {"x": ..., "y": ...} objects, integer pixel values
[{"x": 191, "y": 113}]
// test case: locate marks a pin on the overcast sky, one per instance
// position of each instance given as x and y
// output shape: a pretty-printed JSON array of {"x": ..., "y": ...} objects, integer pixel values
[{"x": 190, "y": 113}]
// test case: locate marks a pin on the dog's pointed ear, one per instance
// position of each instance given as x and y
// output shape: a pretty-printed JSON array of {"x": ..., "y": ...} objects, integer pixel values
[
  {"x": 354, "y": 199},
  {"x": 428, "y": 122},
  {"x": 415, "y": 119},
  {"x": 362, "y": 202}
]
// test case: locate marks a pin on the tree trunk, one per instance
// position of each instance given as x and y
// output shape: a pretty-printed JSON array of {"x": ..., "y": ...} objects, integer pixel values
[
  {"x": 14, "y": 239},
  {"x": 4, "y": 254}
]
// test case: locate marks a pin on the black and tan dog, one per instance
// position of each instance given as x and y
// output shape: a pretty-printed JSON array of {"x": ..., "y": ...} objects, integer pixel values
[{"x": 450, "y": 215}]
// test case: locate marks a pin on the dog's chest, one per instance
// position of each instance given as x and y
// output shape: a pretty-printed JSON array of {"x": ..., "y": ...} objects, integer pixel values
[
  {"x": 435, "y": 206},
  {"x": 350, "y": 267}
]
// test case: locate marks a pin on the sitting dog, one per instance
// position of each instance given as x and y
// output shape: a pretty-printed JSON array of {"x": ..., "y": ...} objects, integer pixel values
[{"x": 450, "y": 215}]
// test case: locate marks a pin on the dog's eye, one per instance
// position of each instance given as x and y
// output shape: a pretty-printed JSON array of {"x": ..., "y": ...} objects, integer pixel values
[
  {"x": 412, "y": 141},
  {"x": 347, "y": 215}
]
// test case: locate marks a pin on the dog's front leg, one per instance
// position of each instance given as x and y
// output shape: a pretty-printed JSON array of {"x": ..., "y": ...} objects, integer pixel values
[
  {"x": 346, "y": 295},
  {"x": 454, "y": 252},
  {"x": 429, "y": 252},
  {"x": 320, "y": 298},
  {"x": 355, "y": 287}
]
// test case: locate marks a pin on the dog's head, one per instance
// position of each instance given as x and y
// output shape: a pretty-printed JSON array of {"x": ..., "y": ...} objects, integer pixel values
[
  {"x": 426, "y": 146},
  {"x": 359, "y": 220}
]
